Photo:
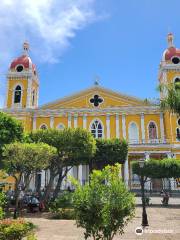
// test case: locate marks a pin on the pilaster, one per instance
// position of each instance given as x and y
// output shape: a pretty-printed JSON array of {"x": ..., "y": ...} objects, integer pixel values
[{"x": 117, "y": 126}]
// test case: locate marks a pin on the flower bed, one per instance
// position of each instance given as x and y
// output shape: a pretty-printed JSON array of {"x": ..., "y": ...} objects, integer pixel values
[{"x": 15, "y": 229}]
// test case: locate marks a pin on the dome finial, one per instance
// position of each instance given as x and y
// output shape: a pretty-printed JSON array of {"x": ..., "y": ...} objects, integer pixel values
[
  {"x": 170, "y": 38},
  {"x": 25, "y": 48}
]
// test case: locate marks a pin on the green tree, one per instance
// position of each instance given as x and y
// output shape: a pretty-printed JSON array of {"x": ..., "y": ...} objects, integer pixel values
[
  {"x": 104, "y": 206},
  {"x": 172, "y": 100},
  {"x": 11, "y": 130},
  {"x": 109, "y": 152},
  {"x": 166, "y": 168},
  {"x": 24, "y": 160},
  {"x": 74, "y": 146}
]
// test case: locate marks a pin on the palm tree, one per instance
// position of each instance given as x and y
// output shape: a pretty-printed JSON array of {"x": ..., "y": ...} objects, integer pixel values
[{"x": 171, "y": 101}]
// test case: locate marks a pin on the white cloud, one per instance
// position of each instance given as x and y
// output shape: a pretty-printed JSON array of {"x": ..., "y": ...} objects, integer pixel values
[{"x": 47, "y": 24}]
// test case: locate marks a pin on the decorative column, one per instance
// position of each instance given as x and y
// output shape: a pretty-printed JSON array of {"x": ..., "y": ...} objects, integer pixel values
[
  {"x": 34, "y": 122},
  {"x": 148, "y": 183},
  {"x": 162, "y": 127},
  {"x": 7, "y": 93},
  {"x": 124, "y": 125},
  {"x": 142, "y": 128},
  {"x": 108, "y": 125},
  {"x": 52, "y": 122},
  {"x": 69, "y": 120},
  {"x": 84, "y": 121},
  {"x": 29, "y": 88},
  {"x": 80, "y": 174},
  {"x": 169, "y": 155},
  {"x": 75, "y": 120},
  {"x": 126, "y": 172},
  {"x": 147, "y": 156},
  {"x": 171, "y": 180},
  {"x": 117, "y": 126}
]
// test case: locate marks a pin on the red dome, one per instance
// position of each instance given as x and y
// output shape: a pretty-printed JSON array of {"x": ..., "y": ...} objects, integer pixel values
[
  {"x": 22, "y": 60},
  {"x": 171, "y": 52}
]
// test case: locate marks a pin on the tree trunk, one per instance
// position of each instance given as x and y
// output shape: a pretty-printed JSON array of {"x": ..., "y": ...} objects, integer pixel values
[
  {"x": 16, "y": 196},
  {"x": 60, "y": 179},
  {"x": 58, "y": 186},
  {"x": 49, "y": 187}
]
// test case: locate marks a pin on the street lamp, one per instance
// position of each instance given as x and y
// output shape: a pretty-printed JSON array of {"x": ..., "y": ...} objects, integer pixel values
[{"x": 142, "y": 182}]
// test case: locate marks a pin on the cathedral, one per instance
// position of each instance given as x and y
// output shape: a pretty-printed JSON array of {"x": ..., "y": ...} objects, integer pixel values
[{"x": 149, "y": 131}]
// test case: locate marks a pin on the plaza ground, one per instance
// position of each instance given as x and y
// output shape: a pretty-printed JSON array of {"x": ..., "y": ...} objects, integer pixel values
[{"x": 161, "y": 219}]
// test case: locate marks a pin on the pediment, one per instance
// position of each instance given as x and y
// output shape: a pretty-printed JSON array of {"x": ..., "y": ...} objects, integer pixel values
[{"x": 95, "y": 97}]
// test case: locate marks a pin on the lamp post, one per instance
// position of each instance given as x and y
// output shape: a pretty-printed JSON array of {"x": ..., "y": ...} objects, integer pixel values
[{"x": 142, "y": 182}]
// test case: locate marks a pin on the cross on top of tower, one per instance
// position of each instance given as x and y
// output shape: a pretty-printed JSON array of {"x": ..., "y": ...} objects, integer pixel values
[
  {"x": 25, "y": 48},
  {"x": 96, "y": 81}
]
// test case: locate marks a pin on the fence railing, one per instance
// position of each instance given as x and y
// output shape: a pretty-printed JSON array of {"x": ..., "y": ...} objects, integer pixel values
[{"x": 148, "y": 141}]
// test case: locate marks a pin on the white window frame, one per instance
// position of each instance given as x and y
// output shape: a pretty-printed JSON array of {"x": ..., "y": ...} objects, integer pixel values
[{"x": 90, "y": 127}]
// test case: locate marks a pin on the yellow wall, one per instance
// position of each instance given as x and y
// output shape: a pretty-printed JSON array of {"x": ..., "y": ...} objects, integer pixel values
[{"x": 12, "y": 84}]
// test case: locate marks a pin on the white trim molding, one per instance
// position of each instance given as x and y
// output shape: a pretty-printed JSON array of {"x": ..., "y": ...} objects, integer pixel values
[
  {"x": 124, "y": 125},
  {"x": 126, "y": 172},
  {"x": 117, "y": 126},
  {"x": 108, "y": 125},
  {"x": 69, "y": 120},
  {"x": 75, "y": 121},
  {"x": 142, "y": 128},
  {"x": 162, "y": 125},
  {"x": 52, "y": 122},
  {"x": 84, "y": 121},
  {"x": 34, "y": 122}
]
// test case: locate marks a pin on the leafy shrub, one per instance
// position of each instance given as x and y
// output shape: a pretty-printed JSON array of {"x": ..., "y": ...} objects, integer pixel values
[
  {"x": 15, "y": 229},
  {"x": 3, "y": 202},
  {"x": 104, "y": 206},
  {"x": 65, "y": 213},
  {"x": 2, "y": 214},
  {"x": 31, "y": 237},
  {"x": 63, "y": 201}
]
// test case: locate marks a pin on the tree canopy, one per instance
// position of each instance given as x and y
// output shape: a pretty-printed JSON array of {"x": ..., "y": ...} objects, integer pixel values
[
  {"x": 24, "y": 160},
  {"x": 166, "y": 168},
  {"x": 109, "y": 152},
  {"x": 172, "y": 100},
  {"x": 103, "y": 209},
  {"x": 74, "y": 147},
  {"x": 11, "y": 130}
]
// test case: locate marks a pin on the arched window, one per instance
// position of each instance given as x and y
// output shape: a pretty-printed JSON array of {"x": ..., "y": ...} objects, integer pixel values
[
  {"x": 152, "y": 130},
  {"x": 97, "y": 129},
  {"x": 133, "y": 133},
  {"x": 177, "y": 83},
  {"x": 33, "y": 97},
  {"x": 178, "y": 134},
  {"x": 17, "y": 94},
  {"x": 43, "y": 127},
  {"x": 60, "y": 126}
]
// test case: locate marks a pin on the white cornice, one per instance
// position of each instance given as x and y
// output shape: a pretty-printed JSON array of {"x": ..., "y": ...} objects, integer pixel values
[
  {"x": 168, "y": 67},
  {"x": 114, "y": 110}
]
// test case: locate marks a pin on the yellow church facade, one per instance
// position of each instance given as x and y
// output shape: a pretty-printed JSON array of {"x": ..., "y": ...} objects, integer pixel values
[{"x": 149, "y": 131}]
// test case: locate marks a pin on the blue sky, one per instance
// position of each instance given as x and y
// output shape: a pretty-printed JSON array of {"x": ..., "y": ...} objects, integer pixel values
[{"x": 72, "y": 41}]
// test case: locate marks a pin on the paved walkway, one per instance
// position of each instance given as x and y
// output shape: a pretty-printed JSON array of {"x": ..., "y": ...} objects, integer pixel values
[{"x": 163, "y": 224}]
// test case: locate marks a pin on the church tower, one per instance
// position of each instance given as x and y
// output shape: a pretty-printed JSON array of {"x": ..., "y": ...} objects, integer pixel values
[
  {"x": 169, "y": 73},
  {"x": 22, "y": 82}
]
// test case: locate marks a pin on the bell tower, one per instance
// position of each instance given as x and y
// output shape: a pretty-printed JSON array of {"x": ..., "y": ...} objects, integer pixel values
[
  {"x": 22, "y": 82},
  {"x": 169, "y": 70},
  {"x": 169, "y": 73}
]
